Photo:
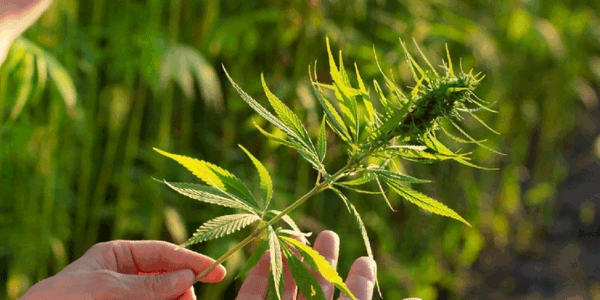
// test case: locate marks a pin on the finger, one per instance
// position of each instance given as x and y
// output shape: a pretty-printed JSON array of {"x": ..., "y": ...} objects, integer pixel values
[
  {"x": 189, "y": 294},
  {"x": 134, "y": 257},
  {"x": 20, "y": 9},
  {"x": 256, "y": 284},
  {"x": 163, "y": 286},
  {"x": 328, "y": 245},
  {"x": 361, "y": 279}
]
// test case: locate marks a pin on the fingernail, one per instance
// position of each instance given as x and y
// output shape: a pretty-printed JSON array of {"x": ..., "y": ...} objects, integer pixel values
[{"x": 181, "y": 279}]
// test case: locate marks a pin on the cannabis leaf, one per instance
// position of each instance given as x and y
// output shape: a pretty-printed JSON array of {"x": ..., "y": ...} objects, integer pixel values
[
  {"x": 276, "y": 261},
  {"x": 361, "y": 226},
  {"x": 288, "y": 123},
  {"x": 208, "y": 194},
  {"x": 423, "y": 201},
  {"x": 305, "y": 280},
  {"x": 266, "y": 184},
  {"x": 216, "y": 177},
  {"x": 220, "y": 226},
  {"x": 319, "y": 264}
]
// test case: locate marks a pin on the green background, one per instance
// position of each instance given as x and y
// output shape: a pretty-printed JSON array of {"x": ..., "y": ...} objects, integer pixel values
[{"x": 76, "y": 174}]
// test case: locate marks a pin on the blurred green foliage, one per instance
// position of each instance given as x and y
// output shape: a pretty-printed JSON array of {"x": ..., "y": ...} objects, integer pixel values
[{"x": 148, "y": 74}]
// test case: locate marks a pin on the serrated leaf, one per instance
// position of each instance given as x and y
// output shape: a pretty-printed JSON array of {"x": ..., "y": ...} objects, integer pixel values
[
  {"x": 305, "y": 280},
  {"x": 412, "y": 64},
  {"x": 294, "y": 233},
  {"x": 275, "y": 138},
  {"x": 319, "y": 265},
  {"x": 361, "y": 226},
  {"x": 220, "y": 226},
  {"x": 254, "y": 258},
  {"x": 336, "y": 122},
  {"x": 311, "y": 158},
  {"x": 384, "y": 195},
  {"x": 345, "y": 94},
  {"x": 288, "y": 220},
  {"x": 289, "y": 118},
  {"x": 322, "y": 141},
  {"x": 398, "y": 176},
  {"x": 266, "y": 184},
  {"x": 357, "y": 190},
  {"x": 436, "y": 145},
  {"x": 259, "y": 108},
  {"x": 276, "y": 261},
  {"x": 208, "y": 194},
  {"x": 215, "y": 177},
  {"x": 391, "y": 85},
  {"x": 423, "y": 201},
  {"x": 364, "y": 178},
  {"x": 473, "y": 140},
  {"x": 425, "y": 58},
  {"x": 417, "y": 155}
]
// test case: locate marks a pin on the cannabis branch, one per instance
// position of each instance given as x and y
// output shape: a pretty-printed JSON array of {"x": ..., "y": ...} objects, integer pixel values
[{"x": 404, "y": 128}]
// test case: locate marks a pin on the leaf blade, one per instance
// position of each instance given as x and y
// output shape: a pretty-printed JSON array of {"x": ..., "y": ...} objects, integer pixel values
[
  {"x": 319, "y": 264},
  {"x": 220, "y": 226},
  {"x": 207, "y": 194},
  {"x": 424, "y": 201},
  {"x": 215, "y": 177},
  {"x": 276, "y": 260},
  {"x": 266, "y": 184}
]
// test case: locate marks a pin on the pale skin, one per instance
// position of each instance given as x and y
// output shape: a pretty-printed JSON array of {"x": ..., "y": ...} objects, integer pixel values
[
  {"x": 160, "y": 270},
  {"x": 156, "y": 269}
]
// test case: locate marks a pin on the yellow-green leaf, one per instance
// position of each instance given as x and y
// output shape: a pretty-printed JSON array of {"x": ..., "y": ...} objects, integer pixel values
[
  {"x": 220, "y": 226},
  {"x": 289, "y": 118},
  {"x": 208, "y": 194},
  {"x": 319, "y": 264},
  {"x": 266, "y": 184},
  {"x": 424, "y": 201},
  {"x": 276, "y": 260},
  {"x": 215, "y": 177},
  {"x": 307, "y": 283}
]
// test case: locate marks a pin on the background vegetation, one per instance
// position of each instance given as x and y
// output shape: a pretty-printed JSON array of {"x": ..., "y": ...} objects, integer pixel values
[{"x": 77, "y": 165}]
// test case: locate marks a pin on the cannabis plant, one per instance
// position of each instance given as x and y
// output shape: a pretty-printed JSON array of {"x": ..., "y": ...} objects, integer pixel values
[{"x": 405, "y": 127}]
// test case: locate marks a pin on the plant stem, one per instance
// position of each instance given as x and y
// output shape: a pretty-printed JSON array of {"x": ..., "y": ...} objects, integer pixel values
[{"x": 315, "y": 190}]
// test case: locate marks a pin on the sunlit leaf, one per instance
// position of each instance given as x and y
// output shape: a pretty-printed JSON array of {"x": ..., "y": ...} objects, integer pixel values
[
  {"x": 289, "y": 118},
  {"x": 276, "y": 260},
  {"x": 319, "y": 264},
  {"x": 322, "y": 141},
  {"x": 215, "y": 177},
  {"x": 423, "y": 201},
  {"x": 208, "y": 194},
  {"x": 305, "y": 280},
  {"x": 266, "y": 184},
  {"x": 220, "y": 226}
]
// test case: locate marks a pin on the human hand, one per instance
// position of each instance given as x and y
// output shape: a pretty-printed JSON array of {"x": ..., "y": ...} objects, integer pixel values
[
  {"x": 129, "y": 270},
  {"x": 360, "y": 280},
  {"x": 15, "y": 17}
]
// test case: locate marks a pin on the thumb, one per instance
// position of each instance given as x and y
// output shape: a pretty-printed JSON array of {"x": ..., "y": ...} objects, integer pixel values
[{"x": 162, "y": 286}]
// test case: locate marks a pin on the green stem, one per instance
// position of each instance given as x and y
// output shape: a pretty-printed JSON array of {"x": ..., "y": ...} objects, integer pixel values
[{"x": 317, "y": 189}]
